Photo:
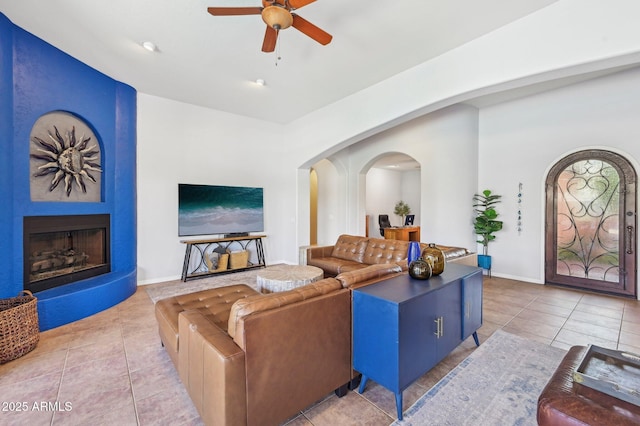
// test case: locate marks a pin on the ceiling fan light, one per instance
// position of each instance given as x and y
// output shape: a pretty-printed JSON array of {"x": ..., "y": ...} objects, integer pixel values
[{"x": 277, "y": 17}]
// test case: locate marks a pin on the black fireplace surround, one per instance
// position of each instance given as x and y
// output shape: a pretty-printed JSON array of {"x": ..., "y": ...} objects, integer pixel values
[{"x": 59, "y": 250}]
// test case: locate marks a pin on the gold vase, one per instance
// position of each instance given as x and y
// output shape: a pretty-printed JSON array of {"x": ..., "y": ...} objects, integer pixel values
[{"x": 435, "y": 257}]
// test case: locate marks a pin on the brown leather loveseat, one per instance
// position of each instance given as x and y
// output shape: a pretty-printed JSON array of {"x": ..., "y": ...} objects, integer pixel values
[
  {"x": 351, "y": 252},
  {"x": 248, "y": 358}
]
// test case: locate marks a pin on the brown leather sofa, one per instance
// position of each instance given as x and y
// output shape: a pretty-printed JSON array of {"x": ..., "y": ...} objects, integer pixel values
[
  {"x": 248, "y": 358},
  {"x": 351, "y": 252},
  {"x": 258, "y": 359}
]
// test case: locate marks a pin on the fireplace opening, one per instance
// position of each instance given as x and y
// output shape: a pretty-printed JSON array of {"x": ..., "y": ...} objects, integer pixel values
[{"x": 59, "y": 250}]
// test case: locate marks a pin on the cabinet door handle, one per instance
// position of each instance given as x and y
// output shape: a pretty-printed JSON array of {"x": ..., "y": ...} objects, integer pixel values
[{"x": 439, "y": 327}]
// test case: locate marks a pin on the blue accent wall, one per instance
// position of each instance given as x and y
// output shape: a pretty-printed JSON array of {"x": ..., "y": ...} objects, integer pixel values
[{"x": 37, "y": 78}]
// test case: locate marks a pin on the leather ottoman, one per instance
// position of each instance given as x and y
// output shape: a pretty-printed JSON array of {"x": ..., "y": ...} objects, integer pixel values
[{"x": 563, "y": 402}]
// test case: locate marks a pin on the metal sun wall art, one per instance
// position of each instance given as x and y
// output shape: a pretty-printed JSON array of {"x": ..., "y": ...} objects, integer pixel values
[{"x": 65, "y": 157}]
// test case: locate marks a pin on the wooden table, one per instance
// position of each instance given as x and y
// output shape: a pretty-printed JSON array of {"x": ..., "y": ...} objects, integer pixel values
[
  {"x": 403, "y": 233},
  {"x": 287, "y": 277}
]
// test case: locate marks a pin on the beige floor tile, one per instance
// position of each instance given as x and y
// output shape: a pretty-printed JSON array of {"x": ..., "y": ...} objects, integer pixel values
[
  {"x": 629, "y": 348},
  {"x": 599, "y": 320},
  {"x": 574, "y": 338},
  {"x": 630, "y": 327},
  {"x": 172, "y": 406},
  {"x": 547, "y": 308},
  {"x": 569, "y": 304},
  {"x": 534, "y": 328},
  {"x": 632, "y": 315},
  {"x": 630, "y": 339},
  {"x": 603, "y": 301},
  {"x": 351, "y": 409},
  {"x": 541, "y": 317},
  {"x": 600, "y": 311},
  {"x": 496, "y": 317},
  {"x": 610, "y": 334}
]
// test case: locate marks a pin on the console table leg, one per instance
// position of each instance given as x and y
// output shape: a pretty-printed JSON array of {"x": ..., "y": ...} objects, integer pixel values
[
  {"x": 399, "y": 405},
  {"x": 475, "y": 337}
]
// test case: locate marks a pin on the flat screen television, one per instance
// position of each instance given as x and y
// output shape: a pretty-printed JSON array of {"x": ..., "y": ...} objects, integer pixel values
[{"x": 212, "y": 209}]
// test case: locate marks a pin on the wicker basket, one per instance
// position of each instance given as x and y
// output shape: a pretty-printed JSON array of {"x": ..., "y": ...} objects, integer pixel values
[
  {"x": 19, "y": 328},
  {"x": 238, "y": 259}
]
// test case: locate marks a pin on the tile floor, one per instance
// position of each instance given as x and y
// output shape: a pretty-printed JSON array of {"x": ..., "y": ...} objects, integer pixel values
[{"x": 110, "y": 368}]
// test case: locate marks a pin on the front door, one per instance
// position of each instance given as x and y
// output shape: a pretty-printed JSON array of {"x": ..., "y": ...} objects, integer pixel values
[{"x": 591, "y": 223}]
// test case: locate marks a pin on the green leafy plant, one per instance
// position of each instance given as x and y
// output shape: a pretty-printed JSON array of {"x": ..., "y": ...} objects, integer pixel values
[
  {"x": 485, "y": 223},
  {"x": 402, "y": 209}
]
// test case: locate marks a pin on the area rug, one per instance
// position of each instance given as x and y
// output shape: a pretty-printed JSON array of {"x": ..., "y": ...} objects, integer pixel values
[
  {"x": 498, "y": 384},
  {"x": 173, "y": 288}
]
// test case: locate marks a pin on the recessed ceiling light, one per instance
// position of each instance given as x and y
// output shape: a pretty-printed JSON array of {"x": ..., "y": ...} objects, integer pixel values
[
  {"x": 150, "y": 46},
  {"x": 261, "y": 82}
]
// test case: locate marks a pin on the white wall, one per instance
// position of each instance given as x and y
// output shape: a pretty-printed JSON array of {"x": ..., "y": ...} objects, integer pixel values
[
  {"x": 331, "y": 216},
  {"x": 181, "y": 143},
  {"x": 522, "y": 139}
]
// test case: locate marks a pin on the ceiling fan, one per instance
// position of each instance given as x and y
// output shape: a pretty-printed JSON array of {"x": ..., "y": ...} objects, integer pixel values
[{"x": 277, "y": 14}]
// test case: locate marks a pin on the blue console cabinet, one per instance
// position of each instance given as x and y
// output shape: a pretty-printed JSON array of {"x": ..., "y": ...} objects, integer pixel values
[{"x": 402, "y": 327}]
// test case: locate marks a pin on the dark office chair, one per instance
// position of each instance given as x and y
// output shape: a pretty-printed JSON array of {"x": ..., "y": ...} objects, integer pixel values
[
  {"x": 383, "y": 221},
  {"x": 408, "y": 220}
]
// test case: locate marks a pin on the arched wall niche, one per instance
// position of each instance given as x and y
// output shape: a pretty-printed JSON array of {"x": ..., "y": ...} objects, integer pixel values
[{"x": 65, "y": 159}]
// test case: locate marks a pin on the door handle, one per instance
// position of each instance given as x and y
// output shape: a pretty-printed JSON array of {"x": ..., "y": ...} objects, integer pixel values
[{"x": 629, "y": 239}]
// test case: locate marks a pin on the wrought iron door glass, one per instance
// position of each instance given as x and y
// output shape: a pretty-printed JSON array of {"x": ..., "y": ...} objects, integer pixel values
[{"x": 587, "y": 200}]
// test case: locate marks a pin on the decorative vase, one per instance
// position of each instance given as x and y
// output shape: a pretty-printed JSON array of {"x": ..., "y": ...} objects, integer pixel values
[
  {"x": 435, "y": 256},
  {"x": 414, "y": 251},
  {"x": 420, "y": 269}
]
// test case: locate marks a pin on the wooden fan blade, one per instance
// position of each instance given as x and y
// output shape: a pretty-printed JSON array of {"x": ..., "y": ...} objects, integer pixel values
[
  {"x": 227, "y": 11},
  {"x": 297, "y": 4},
  {"x": 311, "y": 30},
  {"x": 270, "y": 38}
]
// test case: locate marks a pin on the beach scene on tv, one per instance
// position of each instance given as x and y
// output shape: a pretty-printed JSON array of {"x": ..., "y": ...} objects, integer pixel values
[{"x": 211, "y": 209}]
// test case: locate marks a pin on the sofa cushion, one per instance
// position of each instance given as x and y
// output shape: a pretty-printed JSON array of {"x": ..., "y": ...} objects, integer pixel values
[
  {"x": 332, "y": 266},
  {"x": 349, "y": 279},
  {"x": 385, "y": 251},
  {"x": 452, "y": 252},
  {"x": 349, "y": 247},
  {"x": 264, "y": 302}
]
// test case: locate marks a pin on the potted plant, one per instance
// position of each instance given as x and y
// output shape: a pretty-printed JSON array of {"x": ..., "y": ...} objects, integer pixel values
[
  {"x": 402, "y": 209},
  {"x": 485, "y": 223}
]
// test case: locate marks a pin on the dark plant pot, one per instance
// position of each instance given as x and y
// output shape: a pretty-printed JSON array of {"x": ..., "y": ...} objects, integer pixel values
[{"x": 484, "y": 261}]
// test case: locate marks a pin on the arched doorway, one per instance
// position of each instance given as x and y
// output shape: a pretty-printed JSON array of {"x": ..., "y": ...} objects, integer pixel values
[
  {"x": 590, "y": 233},
  {"x": 388, "y": 179}
]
